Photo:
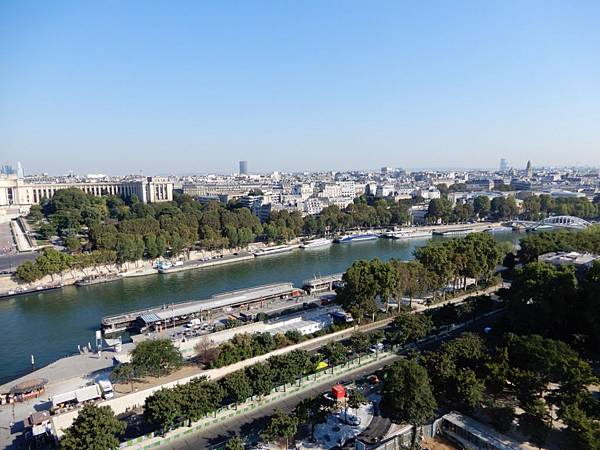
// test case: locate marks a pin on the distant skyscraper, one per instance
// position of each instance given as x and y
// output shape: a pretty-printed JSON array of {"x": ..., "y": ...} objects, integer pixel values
[
  {"x": 20, "y": 172},
  {"x": 503, "y": 165},
  {"x": 529, "y": 169},
  {"x": 7, "y": 170},
  {"x": 243, "y": 167}
]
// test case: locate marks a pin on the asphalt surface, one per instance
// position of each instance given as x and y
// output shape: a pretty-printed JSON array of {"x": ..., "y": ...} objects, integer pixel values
[{"x": 10, "y": 262}]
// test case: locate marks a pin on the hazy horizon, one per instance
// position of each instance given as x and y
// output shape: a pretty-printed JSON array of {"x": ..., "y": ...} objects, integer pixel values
[{"x": 190, "y": 87}]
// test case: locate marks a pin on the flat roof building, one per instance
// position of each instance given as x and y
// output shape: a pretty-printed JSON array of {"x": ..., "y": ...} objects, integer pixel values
[{"x": 16, "y": 191}]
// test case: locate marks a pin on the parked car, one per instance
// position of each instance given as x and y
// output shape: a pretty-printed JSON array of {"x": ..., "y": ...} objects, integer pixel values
[
  {"x": 349, "y": 419},
  {"x": 373, "y": 379},
  {"x": 376, "y": 348}
]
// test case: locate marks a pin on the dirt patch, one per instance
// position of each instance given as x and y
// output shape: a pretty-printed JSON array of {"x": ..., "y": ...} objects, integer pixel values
[{"x": 438, "y": 443}]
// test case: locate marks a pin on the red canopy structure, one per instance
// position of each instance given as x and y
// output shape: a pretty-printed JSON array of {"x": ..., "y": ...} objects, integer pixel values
[{"x": 338, "y": 391}]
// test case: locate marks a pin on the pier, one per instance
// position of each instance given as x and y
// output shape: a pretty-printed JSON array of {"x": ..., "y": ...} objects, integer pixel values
[
  {"x": 180, "y": 313},
  {"x": 322, "y": 284}
]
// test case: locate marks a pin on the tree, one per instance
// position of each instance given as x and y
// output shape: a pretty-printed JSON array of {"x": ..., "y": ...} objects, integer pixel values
[
  {"x": 359, "y": 290},
  {"x": 261, "y": 379},
  {"x": 123, "y": 373},
  {"x": 235, "y": 443},
  {"x": 439, "y": 210},
  {"x": 155, "y": 357},
  {"x": 94, "y": 428},
  {"x": 534, "y": 423},
  {"x": 29, "y": 272},
  {"x": 281, "y": 426},
  {"x": 163, "y": 408},
  {"x": 406, "y": 395},
  {"x": 197, "y": 398},
  {"x": 355, "y": 399},
  {"x": 334, "y": 353},
  {"x": 72, "y": 243},
  {"x": 313, "y": 411},
  {"x": 206, "y": 350},
  {"x": 360, "y": 342},
  {"x": 481, "y": 206},
  {"x": 237, "y": 386},
  {"x": 409, "y": 327}
]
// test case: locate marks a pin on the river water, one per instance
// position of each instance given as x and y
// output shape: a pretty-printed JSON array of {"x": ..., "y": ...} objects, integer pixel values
[{"x": 50, "y": 325}]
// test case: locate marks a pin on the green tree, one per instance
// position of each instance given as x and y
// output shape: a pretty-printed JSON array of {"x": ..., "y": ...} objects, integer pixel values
[
  {"x": 72, "y": 243},
  {"x": 334, "y": 353},
  {"x": 409, "y": 327},
  {"x": 235, "y": 443},
  {"x": 406, "y": 396},
  {"x": 261, "y": 379},
  {"x": 281, "y": 427},
  {"x": 94, "y": 428},
  {"x": 439, "y": 210},
  {"x": 314, "y": 411},
  {"x": 163, "y": 408},
  {"x": 359, "y": 342},
  {"x": 482, "y": 206},
  {"x": 29, "y": 272},
  {"x": 197, "y": 398},
  {"x": 123, "y": 373},
  {"x": 237, "y": 386},
  {"x": 155, "y": 357},
  {"x": 359, "y": 291},
  {"x": 355, "y": 399}
]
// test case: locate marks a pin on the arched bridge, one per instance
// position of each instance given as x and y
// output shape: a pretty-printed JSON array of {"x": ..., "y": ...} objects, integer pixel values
[{"x": 570, "y": 222}]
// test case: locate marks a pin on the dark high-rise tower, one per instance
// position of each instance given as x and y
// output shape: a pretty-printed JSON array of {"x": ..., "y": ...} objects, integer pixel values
[{"x": 243, "y": 167}]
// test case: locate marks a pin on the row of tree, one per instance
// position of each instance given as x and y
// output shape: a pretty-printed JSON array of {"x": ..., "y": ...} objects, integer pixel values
[
  {"x": 533, "y": 207},
  {"x": 52, "y": 262},
  {"x": 437, "y": 264}
]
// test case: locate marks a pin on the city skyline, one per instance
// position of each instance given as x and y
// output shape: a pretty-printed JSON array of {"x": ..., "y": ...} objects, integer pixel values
[{"x": 297, "y": 87}]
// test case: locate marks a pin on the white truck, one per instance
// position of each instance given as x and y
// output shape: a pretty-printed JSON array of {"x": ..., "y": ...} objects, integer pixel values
[{"x": 106, "y": 388}]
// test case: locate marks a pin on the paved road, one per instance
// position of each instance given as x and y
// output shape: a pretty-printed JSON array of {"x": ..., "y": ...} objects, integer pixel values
[
  {"x": 250, "y": 424},
  {"x": 9, "y": 263}
]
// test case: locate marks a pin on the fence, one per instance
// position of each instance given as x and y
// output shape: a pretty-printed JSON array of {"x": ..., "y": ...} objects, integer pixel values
[{"x": 157, "y": 438}]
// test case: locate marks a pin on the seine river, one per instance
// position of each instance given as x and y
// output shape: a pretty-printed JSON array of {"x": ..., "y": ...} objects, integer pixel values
[{"x": 50, "y": 325}]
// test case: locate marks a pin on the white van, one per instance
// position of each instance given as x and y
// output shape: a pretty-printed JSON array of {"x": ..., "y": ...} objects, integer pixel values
[{"x": 193, "y": 324}]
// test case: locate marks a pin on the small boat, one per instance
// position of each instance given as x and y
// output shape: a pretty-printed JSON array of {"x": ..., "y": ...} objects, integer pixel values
[
  {"x": 95, "y": 279},
  {"x": 321, "y": 242}
]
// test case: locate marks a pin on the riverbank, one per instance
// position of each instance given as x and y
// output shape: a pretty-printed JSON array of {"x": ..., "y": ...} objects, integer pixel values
[{"x": 9, "y": 286}]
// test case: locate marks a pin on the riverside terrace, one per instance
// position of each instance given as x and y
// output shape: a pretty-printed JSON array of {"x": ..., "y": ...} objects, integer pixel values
[{"x": 154, "y": 319}]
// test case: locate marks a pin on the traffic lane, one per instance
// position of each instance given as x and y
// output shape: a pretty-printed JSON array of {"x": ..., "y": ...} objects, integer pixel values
[
  {"x": 252, "y": 423},
  {"x": 10, "y": 262}
]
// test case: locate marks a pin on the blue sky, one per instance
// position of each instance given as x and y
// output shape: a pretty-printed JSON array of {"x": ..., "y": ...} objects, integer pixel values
[{"x": 178, "y": 87}]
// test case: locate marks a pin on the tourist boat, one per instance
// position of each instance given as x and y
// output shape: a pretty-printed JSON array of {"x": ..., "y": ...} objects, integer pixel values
[
  {"x": 267, "y": 251},
  {"x": 407, "y": 234},
  {"x": 321, "y": 242},
  {"x": 356, "y": 238}
]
